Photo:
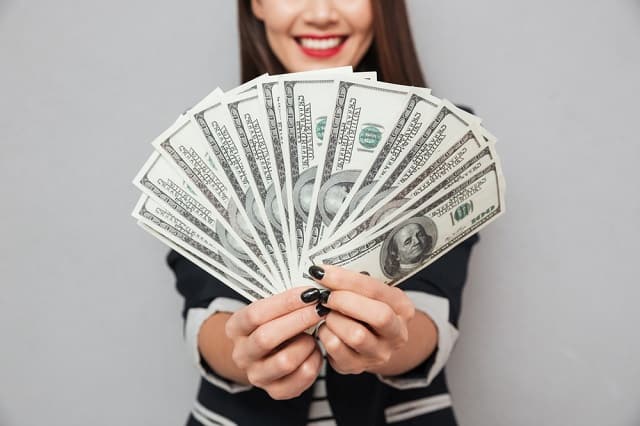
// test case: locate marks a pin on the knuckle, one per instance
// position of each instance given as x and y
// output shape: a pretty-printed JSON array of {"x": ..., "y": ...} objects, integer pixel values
[
  {"x": 308, "y": 371},
  {"x": 380, "y": 290},
  {"x": 410, "y": 313},
  {"x": 238, "y": 358},
  {"x": 254, "y": 378},
  {"x": 262, "y": 339},
  {"x": 277, "y": 393},
  {"x": 284, "y": 363},
  {"x": 332, "y": 344},
  {"x": 229, "y": 328},
  {"x": 374, "y": 290},
  {"x": 358, "y": 337},
  {"x": 408, "y": 309},
  {"x": 384, "y": 317},
  {"x": 253, "y": 316}
]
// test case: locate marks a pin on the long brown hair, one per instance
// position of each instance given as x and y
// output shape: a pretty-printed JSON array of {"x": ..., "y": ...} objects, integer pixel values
[{"x": 392, "y": 53}]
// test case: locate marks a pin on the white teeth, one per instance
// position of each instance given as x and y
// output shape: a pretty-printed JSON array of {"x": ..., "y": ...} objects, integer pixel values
[{"x": 320, "y": 44}]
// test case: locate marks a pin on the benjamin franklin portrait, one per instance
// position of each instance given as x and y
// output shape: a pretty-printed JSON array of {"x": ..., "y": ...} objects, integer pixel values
[{"x": 407, "y": 246}]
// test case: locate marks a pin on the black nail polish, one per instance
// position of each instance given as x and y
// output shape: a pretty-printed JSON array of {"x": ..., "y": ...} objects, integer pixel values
[
  {"x": 316, "y": 272},
  {"x": 310, "y": 295},
  {"x": 324, "y": 296},
  {"x": 322, "y": 310}
]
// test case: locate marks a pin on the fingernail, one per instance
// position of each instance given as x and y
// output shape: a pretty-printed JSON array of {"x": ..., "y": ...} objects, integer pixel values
[
  {"x": 324, "y": 296},
  {"x": 316, "y": 272},
  {"x": 310, "y": 295},
  {"x": 322, "y": 310}
]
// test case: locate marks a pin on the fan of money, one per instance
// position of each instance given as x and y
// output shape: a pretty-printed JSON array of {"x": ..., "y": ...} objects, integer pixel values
[{"x": 256, "y": 184}]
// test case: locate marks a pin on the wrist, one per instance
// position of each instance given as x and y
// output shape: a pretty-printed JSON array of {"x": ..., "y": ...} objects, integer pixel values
[
  {"x": 216, "y": 348},
  {"x": 422, "y": 342}
]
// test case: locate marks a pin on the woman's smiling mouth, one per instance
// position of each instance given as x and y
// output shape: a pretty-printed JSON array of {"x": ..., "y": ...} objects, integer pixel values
[{"x": 321, "y": 46}]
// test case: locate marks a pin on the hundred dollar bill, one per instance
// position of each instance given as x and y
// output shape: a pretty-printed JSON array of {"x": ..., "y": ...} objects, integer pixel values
[
  {"x": 259, "y": 159},
  {"x": 308, "y": 101},
  {"x": 162, "y": 219},
  {"x": 306, "y": 106},
  {"x": 454, "y": 166},
  {"x": 407, "y": 245},
  {"x": 159, "y": 180},
  {"x": 228, "y": 155},
  {"x": 185, "y": 149},
  {"x": 448, "y": 125},
  {"x": 462, "y": 160},
  {"x": 415, "y": 115},
  {"x": 357, "y": 148},
  {"x": 270, "y": 95},
  {"x": 357, "y": 127}
]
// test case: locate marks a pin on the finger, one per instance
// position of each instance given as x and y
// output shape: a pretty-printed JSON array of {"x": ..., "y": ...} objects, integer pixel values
[
  {"x": 283, "y": 362},
  {"x": 338, "y": 278},
  {"x": 301, "y": 379},
  {"x": 353, "y": 334},
  {"x": 246, "y": 320},
  {"x": 378, "y": 315},
  {"x": 342, "y": 358},
  {"x": 270, "y": 335}
]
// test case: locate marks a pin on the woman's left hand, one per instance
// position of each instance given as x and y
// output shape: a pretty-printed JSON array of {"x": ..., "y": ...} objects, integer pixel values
[{"x": 367, "y": 323}]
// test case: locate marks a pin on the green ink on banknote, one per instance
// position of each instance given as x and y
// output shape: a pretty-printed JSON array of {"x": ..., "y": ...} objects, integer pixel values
[
  {"x": 321, "y": 123},
  {"x": 370, "y": 135},
  {"x": 462, "y": 211}
]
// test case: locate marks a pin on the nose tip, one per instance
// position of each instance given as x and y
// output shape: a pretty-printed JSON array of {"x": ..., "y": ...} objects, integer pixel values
[{"x": 320, "y": 12}]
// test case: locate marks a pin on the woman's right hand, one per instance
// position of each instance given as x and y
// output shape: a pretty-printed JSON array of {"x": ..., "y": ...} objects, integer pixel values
[{"x": 270, "y": 345}]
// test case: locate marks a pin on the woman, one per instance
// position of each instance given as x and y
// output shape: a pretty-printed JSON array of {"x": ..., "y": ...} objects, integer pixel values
[{"x": 385, "y": 347}]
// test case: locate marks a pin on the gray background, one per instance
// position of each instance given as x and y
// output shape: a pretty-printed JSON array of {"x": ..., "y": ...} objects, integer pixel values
[{"x": 89, "y": 320}]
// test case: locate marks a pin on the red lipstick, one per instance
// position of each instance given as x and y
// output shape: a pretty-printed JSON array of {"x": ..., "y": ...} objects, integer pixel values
[{"x": 321, "y": 46}]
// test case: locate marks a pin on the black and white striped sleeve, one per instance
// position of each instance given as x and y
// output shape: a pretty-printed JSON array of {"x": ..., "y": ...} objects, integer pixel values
[{"x": 203, "y": 296}]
